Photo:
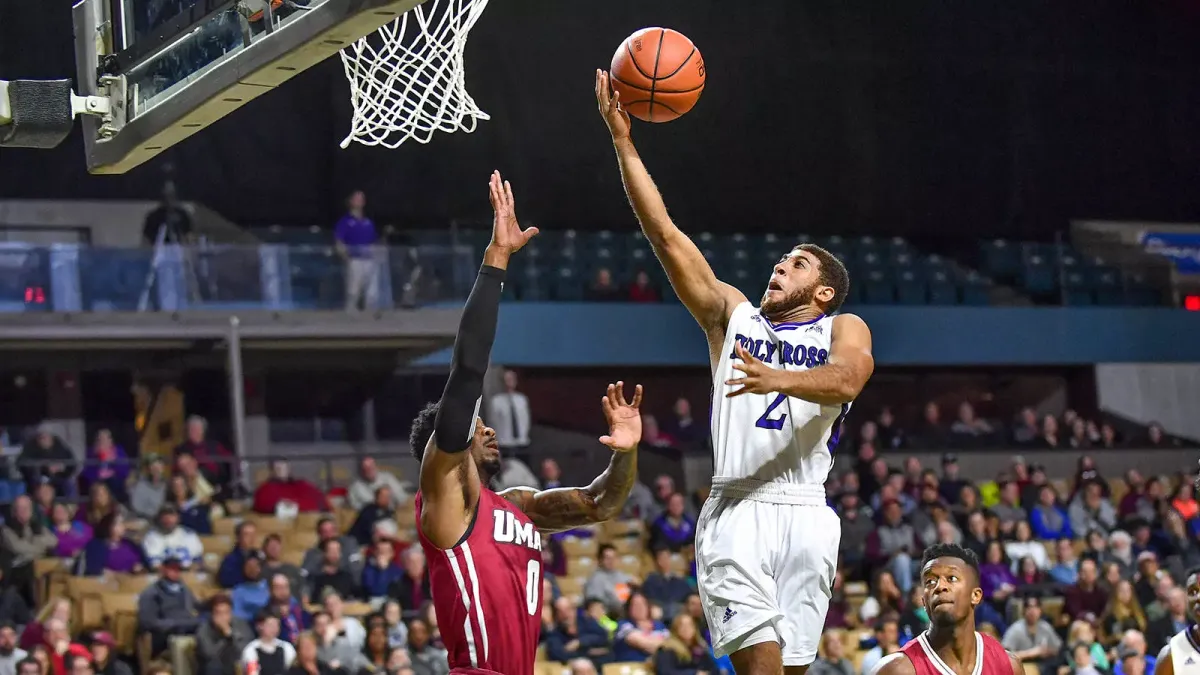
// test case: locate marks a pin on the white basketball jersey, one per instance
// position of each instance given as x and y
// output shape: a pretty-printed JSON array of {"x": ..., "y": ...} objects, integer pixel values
[
  {"x": 1185, "y": 654},
  {"x": 773, "y": 438}
]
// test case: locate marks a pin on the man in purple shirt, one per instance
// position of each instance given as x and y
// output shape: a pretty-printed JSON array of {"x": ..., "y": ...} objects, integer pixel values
[{"x": 356, "y": 239}]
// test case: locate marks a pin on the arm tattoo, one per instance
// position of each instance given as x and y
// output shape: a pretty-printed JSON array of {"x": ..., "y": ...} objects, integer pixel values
[{"x": 566, "y": 508}]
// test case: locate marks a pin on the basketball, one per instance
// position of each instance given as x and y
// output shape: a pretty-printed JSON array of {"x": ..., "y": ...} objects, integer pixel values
[{"x": 658, "y": 73}]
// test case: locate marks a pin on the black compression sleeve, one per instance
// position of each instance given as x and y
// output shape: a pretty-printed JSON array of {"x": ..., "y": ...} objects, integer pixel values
[{"x": 455, "y": 423}]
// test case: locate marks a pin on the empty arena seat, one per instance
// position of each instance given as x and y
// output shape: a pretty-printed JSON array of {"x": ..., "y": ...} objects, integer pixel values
[
  {"x": 910, "y": 289},
  {"x": 1077, "y": 288},
  {"x": 532, "y": 284},
  {"x": 878, "y": 289},
  {"x": 567, "y": 286},
  {"x": 1001, "y": 257},
  {"x": 942, "y": 290},
  {"x": 1037, "y": 275}
]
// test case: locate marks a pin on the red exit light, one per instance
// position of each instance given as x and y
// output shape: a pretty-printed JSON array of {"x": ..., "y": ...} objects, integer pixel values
[
  {"x": 1192, "y": 303},
  {"x": 37, "y": 296}
]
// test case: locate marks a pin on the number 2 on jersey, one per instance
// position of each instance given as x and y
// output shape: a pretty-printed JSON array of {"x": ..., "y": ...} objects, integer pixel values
[
  {"x": 765, "y": 422},
  {"x": 533, "y": 585}
]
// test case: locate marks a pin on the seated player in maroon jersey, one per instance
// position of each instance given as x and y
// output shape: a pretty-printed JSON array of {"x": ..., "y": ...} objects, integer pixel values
[
  {"x": 950, "y": 646},
  {"x": 483, "y": 548}
]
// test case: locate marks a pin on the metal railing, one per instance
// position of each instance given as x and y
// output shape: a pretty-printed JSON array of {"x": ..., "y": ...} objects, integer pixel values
[{"x": 277, "y": 277}]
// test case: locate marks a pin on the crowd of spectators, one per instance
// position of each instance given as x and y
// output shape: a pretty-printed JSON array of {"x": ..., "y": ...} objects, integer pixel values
[{"x": 1080, "y": 573}]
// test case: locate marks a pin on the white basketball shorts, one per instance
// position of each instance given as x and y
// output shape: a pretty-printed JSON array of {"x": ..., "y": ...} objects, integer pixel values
[{"x": 766, "y": 556}]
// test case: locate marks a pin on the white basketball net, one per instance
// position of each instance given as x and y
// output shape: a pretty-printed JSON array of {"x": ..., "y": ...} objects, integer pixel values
[{"x": 406, "y": 81}]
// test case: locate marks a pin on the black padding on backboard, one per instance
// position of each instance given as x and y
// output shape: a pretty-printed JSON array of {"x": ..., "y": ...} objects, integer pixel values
[{"x": 41, "y": 114}]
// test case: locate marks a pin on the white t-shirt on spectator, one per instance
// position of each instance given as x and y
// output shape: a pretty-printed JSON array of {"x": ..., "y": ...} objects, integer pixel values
[
  {"x": 180, "y": 543},
  {"x": 250, "y": 653}
]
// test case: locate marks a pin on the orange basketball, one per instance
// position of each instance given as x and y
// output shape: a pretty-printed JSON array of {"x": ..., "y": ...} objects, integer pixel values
[{"x": 659, "y": 74}]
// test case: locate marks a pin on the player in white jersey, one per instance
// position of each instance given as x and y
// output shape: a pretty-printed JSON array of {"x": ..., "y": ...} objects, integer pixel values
[
  {"x": 784, "y": 375},
  {"x": 1181, "y": 655}
]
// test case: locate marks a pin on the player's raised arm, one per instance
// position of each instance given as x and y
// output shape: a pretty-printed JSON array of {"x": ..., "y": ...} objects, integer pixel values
[
  {"x": 708, "y": 299},
  {"x": 566, "y": 508},
  {"x": 838, "y": 381},
  {"x": 1164, "y": 665},
  {"x": 449, "y": 480}
]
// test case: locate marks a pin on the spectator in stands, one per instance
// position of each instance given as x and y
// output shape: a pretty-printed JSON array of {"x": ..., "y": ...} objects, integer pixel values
[
  {"x": 213, "y": 459},
  {"x": 684, "y": 652},
  {"x": 1132, "y": 658},
  {"x": 167, "y": 607},
  {"x": 886, "y": 598},
  {"x": 284, "y": 493},
  {"x": 104, "y": 658},
  {"x": 1081, "y": 634},
  {"x": 314, "y": 558},
  {"x": 364, "y": 490},
  {"x": 673, "y": 529},
  {"x": 10, "y": 654},
  {"x": 551, "y": 474},
  {"x": 399, "y": 663},
  {"x": 915, "y": 618},
  {"x": 1024, "y": 546},
  {"x": 1066, "y": 564},
  {"x": 1145, "y": 581},
  {"x": 509, "y": 414},
  {"x": 25, "y": 540},
  {"x": 1175, "y": 619},
  {"x": 381, "y": 508},
  {"x": 1120, "y": 553},
  {"x": 308, "y": 661},
  {"x": 150, "y": 490},
  {"x": 608, "y": 583},
  {"x": 100, "y": 505},
  {"x": 332, "y": 649},
  {"x": 1048, "y": 519},
  {"x": 397, "y": 630},
  {"x": 412, "y": 589},
  {"x": 1009, "y": 509},
  {"x": 195, "y": 515},
  {"x": 639, "y": 634},
  {"x": 41, "y": 656},
  {"x": 887, "y": 641},
  {"x": 44, "y": 499},
  {"x": 1123, "y": 613},
  {"x": 427, "y": 659},
  {"x": 341, "y": 625},
  {"x": 995, "y": 575},
  {"x": 933, "y": 434},
  {"x": 273, "y": 564},
  {"x": 831, "y": 658},
  {"x": 1185, "y": 503},
  {"x": 951, "y": 484},
  {"x": 170, "y": 219},
  {"x": 356, "y": 241},
  {"x": 663, "y": 587},
  {"x": 1033, "y": 640},
  {"x": 28, "y": 666},
  {"x": 1086, "y": 599},
  {"x": 856, "y": 527},
  {"x": 273, "y": 656},
  {"x": 72, "y": 535},
  {"x": 35, "y": 633},
  {"x": 252, "y": 595},
  {"x": 47, "y": 458},
  {"x": 230, "y": 572},
  {"x": 375, "y": 650},
  {"x": 221, "y": 639},
  {"x": 106, "y": 463},
  {"x": 1156, "y": 438},
  {"x": 282, "y": 602},
  {"x": 59, "y": 647},
  {"x": 331, "y": 574},
  {"x": 968, "y": 429},
  {"x": 1026, "y": 430},
  {"x": 1158, "y": 606},
  {"x": 684, "y": 428},
  {"x": 642, "y": 289},
  {"x": 380, "y": 571},
  {"x": 1091, "y": 511},
  {"x": 602, "y": 288},
  {"x": 1185, "y": 554},
  {"x": 893, "y": 544},
  {"x": 169, "y": 539}
]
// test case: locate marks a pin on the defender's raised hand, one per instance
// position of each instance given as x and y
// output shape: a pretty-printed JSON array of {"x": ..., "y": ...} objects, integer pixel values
[
  {"x": 624, "y": 418},
  {"x": 608, "y": 101},
  {"x": 507, "y": 234}
]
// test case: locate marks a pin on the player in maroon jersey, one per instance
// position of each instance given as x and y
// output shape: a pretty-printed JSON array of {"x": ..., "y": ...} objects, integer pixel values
[
  {"x": 950, "y": 646},
  {"x": 484, "y": 548}
]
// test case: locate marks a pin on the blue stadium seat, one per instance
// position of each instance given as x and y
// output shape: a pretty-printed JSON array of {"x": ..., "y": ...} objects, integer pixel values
[
  {"x": 942, "y": 290},
  {"x": 1076, "y": 286},
  {"x": 604, "y": 239},
  {"x": 532, "y": 285},
  {"x": 901, "y": 260},
  {"x": 910, "y": 289},
  {"x": 745, "y": 281},
  {"x": 431, "y": 237},
  {"x": 567, "y": 287},
  {"x": 1037, "y": 275},
  {"x": 1001, "y": 258},
  {"x": 975, "y": 291},
  {"x": 641, "y": 259},
  {"x": 878, "y": 289}
]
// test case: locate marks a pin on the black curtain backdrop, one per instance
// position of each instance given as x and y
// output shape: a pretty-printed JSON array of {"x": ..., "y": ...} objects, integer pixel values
[{"x": 955, "y": 118}]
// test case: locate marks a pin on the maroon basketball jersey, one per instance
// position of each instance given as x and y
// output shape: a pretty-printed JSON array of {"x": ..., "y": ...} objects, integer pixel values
[
  {"x": 487, "y": 591},
  {"x": 990, "y": 657}
]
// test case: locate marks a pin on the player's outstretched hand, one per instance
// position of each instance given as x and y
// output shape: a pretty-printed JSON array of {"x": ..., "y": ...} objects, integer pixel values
[
  {"x": 608, "y": 100},
  {"x": 624, "y": 418},
  {"x": 760, "y": 378},
  {"x": 506, "y": 231}
]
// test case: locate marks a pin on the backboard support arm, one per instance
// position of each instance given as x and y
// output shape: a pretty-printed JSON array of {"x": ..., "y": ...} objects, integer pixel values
[{"x": 41, "y": 113}]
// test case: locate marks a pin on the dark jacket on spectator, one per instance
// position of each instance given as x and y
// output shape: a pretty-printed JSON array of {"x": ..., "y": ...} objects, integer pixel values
[
  {"x": 410, "y": 596},
  {"x": 166, "y": 609},
  {"x": 364, "y": 525},
  {"x": 207, "y": 454},
  {"x": 226, "y": 650},
  {"x": 1078, "y": 602},
  {"x": 666, "y": 590},
  {"x": 230, "y": 572},
  {"x": 340, "y": 581},
  {"x": 667, "y": 662},
  {"x": 590, "y": 637},
  {"x": 58, "y": 453},
  {"x": 377, "y": 580},
  {"x": 666, "y": 534},
  {"x": 1050, "y": 523}
]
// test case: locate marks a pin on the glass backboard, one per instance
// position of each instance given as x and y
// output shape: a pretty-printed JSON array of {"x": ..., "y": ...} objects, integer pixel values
[{"x": 173, "y": 67}]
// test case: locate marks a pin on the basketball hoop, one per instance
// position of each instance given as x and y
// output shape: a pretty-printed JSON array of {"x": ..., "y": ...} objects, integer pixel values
[{"x": 407, "y": 80}]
